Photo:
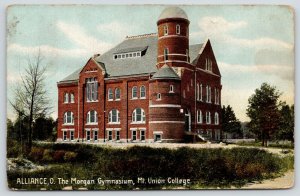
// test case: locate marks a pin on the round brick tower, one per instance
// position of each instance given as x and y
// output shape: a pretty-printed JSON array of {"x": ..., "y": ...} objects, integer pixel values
[
  {"x": 173, "y": 38},
  {"x": 165, "y": 115}
]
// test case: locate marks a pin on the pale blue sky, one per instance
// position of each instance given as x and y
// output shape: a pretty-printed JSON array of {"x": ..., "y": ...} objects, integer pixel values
[{"x": 252, "y": 44}]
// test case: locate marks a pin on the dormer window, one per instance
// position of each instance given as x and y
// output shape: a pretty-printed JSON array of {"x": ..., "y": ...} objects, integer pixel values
[
  {"x": 165, "y": 30},
  {"x": 130, "y": 53},
  {"x": 178, "y": 29}
]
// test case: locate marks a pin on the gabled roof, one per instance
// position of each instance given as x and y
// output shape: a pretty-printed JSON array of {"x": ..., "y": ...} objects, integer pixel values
[
  {"x": 166, "y": 72},
  {"x": 146, "y": 64}
]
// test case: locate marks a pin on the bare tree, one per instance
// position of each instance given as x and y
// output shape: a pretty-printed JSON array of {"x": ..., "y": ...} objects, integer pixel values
[{"x": 30, "y": 95}]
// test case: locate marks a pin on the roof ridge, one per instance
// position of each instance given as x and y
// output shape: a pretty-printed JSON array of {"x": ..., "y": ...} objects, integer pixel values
[{"x": 141, "y": 36}]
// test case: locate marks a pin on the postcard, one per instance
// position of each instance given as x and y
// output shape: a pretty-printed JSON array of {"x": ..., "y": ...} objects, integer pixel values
[{"x": 150, "y": 97}]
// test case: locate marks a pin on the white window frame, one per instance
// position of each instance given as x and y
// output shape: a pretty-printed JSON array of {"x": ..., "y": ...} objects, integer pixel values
[
  {"x": 156, "y": 134},
  {"x": 88, "y": 135},
  {"x": 199, "y": 117},
  {"x": 118, "y": 94},
  {"x": 158, "y": 96},
  {"x": 111, "y": 115},
  {"x": 66, "y": 98},
  {"x": 72, "y": 98},
  {"x": 178, "y": 29},
  {"x": 91, "y": 89},
  {"x": 216, "y": 118},
  {"x": 65, "y": 135},
  {"x": 133, "y": 131},
  {"x": 198, "y": 92},
  {"x": 95, "y": 135},
  {"x": 134, "y": 90},
  {"x": 66, "y": 117},
  {"x": 166, "y": 54},
  {"x": 110, "y": 95},
  {"x": 118, "y": 135},
  {"x": 135, "y": 116},
  {"x": 166, "y": 30},
  {"x": 201, "y": 93},
  {"x": 143, "y": 90},
  {"x": 208, "y": 118},
  {"x": 171, "y": 90},
  {"x": 72, "y": 134},
  {"x": 109, "y": 135},
  {"x": 142, "y": 130},
  {"x": 89, "y": 117}
]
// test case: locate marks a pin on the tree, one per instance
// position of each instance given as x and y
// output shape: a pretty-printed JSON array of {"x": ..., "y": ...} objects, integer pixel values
[
  {"x": 286, "y": 123},
  {"x": 43, "y": 128},
  {"x": 30, "y": 96},
  {"x": 230, "y": 123},
  {"x": 263, "y": 111}
]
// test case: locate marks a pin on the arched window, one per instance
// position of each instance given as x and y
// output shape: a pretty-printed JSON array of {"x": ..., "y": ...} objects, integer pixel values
[
  {"x": 117, "y": 94},
  {"x": 66, "y": 98},
  {"x": 165, "y": 30},
  {"x": 69, "y": 118},
  {"x": 92, "y": 117},
  {"x": 166, "y": 54},
  {"x": 177, "y": 29},
  {"x": 216, "y": 118},
  {"x": 134, "y": 92},
  {"x": 91, "y": 89},
  {"x": 142, "y": 92},
  {"x": 208, "y": 119},
  {"x": 110, "y": 94},
  {"x": 114, "y": 116},
  {"x": 201, "y": 93},
  {"x": 198, "y": 93},
  {"x": 138, "y": 115},
  {"x": 199, "y": 116},
  {"x": 72, "y": 98},
  {"x": 171, "y": 89},
  {"x": 158, "y": 96}
]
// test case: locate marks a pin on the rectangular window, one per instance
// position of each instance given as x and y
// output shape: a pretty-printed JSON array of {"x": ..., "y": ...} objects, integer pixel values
[
  {"x": 143, "y": 135},
  {"x": 166, "y": 54},
  {"x": 91, "y": 89},
  {"x": 117, "y": 135},
  {"x": 165, "y": 30},
  {"x": 110, "y": 136},
  {"x": 157, "y": 137},
  {"x": 72, "y": 135},
  {"x": 201, "y": 93},
  {"x": 95, "y": 135},
  {"x": 133, "y": 137},
  {"x": 178, "y": 29},
  {"x": 171, "y": 89},
  {"x": 65, "y": 135},
  {"x": 88, "y": 135}
]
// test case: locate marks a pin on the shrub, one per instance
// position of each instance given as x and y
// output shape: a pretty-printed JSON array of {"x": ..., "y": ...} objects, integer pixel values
[
  {"x": 70, "y": 156},
  {"x": 36, "y": 154},
  {"x": 48, "y": 155},
  {"x": 58, "y": 155}
]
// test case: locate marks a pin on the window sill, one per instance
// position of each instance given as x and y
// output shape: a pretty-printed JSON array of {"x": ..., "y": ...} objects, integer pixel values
[
  {"x": 114, "y": 123},
  {"x": 118, "y": 100},
  {"x": 143, "y": 98},
  {"x": 91, "y": 124},
  {"x": 134, "y": 98},
  {"x": 134, "y": 123},
  {"x": 172, "y": 92},
  {"x": 92, "y": 101},
  {"x": 68, "y": 124}
]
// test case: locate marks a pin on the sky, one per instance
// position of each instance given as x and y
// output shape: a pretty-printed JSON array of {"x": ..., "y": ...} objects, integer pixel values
[{"x": 252, "y": 44}]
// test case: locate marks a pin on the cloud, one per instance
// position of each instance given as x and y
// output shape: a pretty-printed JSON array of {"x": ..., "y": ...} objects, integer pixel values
[
  {"x": 219, "y": 29},
  {"x": 46, "y": 50},
  {"x": 285, "y": 72},
  {"x": 116, "y": 29},
  {"x": 79, "y": 36}
]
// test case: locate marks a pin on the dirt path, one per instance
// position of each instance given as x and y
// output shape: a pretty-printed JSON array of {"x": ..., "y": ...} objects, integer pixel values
[{"x": 284, "y": 182}]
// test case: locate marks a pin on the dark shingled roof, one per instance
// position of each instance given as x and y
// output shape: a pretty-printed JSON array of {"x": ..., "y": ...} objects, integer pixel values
[
  {"x": 146, "y": 64},
  {"x": 166, "y": 72}
]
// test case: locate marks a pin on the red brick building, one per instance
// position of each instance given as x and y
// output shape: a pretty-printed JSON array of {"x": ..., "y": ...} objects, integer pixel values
[{"x": 149, "y": 88}]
